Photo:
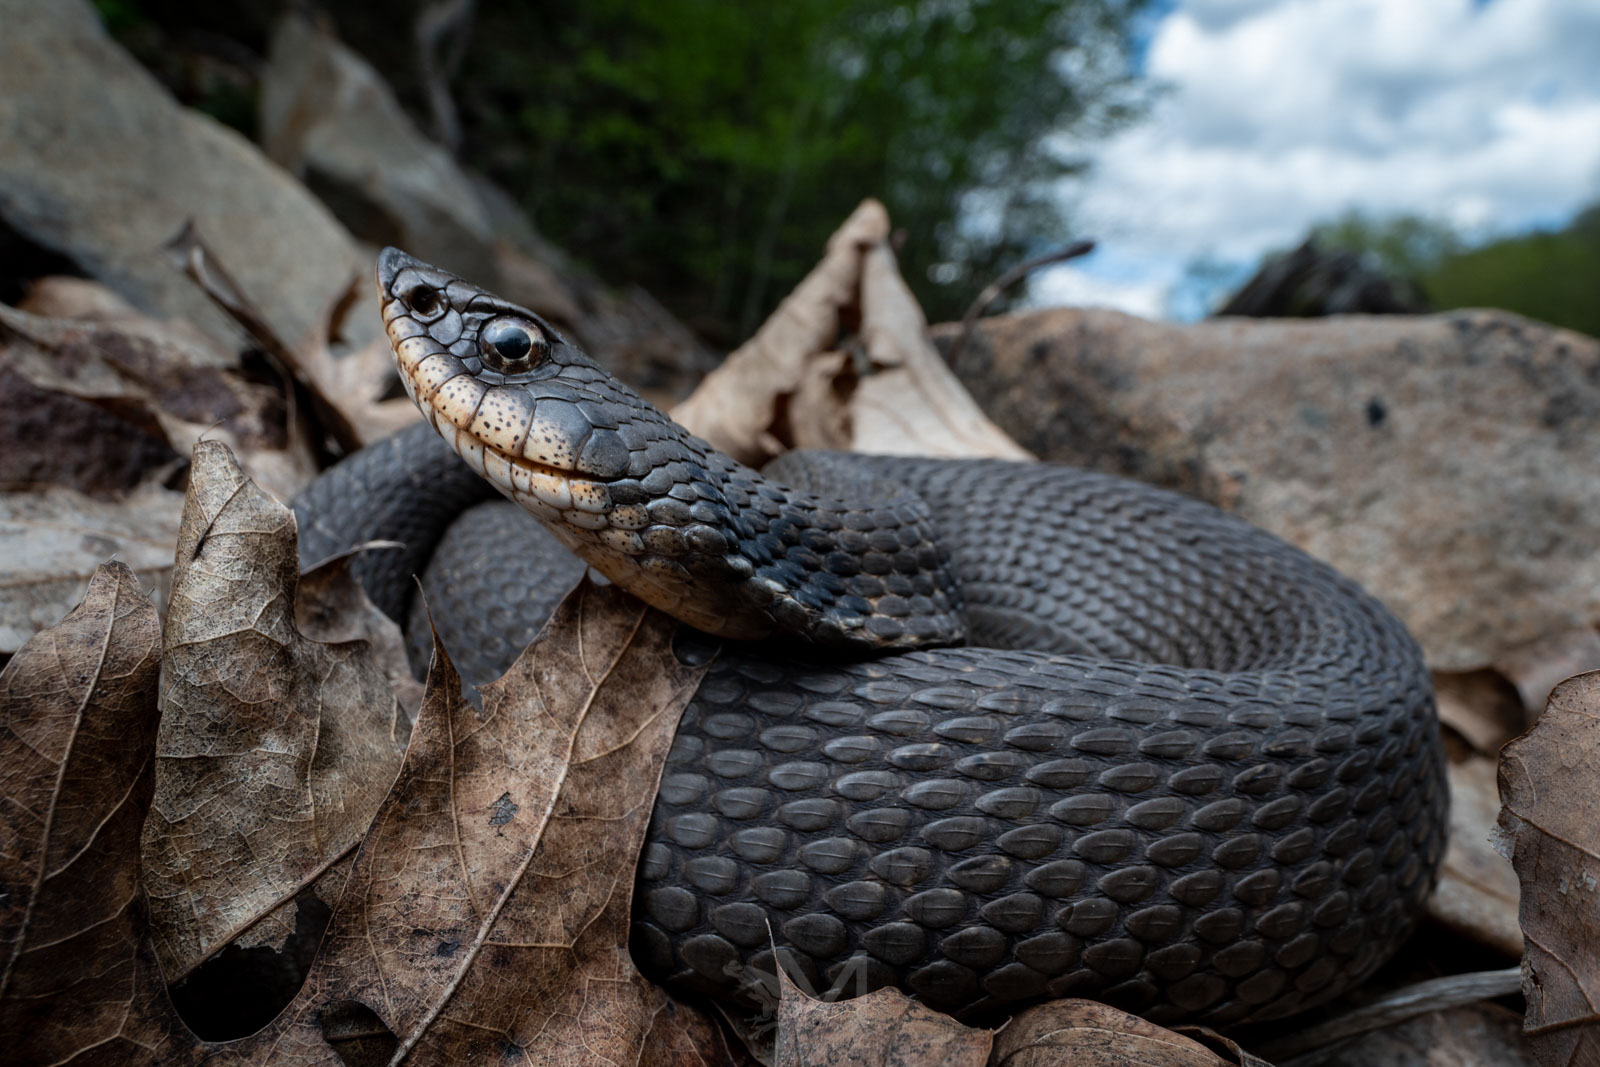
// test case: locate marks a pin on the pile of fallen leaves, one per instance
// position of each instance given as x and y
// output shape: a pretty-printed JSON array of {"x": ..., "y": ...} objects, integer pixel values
[{"x": 236, "y": 829}]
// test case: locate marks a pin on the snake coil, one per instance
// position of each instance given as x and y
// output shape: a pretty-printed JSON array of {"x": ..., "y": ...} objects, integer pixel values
[{"x": 1177, "y": 765}]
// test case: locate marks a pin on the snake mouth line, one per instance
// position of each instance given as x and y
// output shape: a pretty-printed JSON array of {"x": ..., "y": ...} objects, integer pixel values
[{"x": 576, "y": 498}]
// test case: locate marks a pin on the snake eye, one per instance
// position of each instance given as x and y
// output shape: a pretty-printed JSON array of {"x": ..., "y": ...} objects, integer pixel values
[
  {"x": 510, "y": 345},
  {"x": 423, "y": 300}
]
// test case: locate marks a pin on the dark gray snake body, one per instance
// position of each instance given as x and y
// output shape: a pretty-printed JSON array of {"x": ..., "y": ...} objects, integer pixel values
[{"x": 1180, "y": 766}]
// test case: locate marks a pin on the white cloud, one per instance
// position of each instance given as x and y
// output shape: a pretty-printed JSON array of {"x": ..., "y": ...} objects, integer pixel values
[
  {"x": 1284, "y": 114},
  {"x": 1074, "y": 287}
]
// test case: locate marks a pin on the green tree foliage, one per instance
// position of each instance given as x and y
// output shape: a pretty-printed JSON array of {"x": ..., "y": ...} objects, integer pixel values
[
  {"x": 1550, "y": 276},
  {"x": 1406, "y": 246},
  {"x": 1554, "y": 277},
  {"x": 705, "y": 149}
]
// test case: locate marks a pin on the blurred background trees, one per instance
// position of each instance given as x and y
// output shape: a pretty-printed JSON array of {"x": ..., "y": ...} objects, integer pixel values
[{"x": 705, "y": 149}]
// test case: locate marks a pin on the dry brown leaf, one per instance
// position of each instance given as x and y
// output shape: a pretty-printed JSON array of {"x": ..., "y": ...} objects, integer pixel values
[
  {"x": 1083, "y": 1033},
  {"x": 330, "y": 607},
  {"x": 1477, "y": 893},
  {"x": 911, "y": 404},
  {"x": 1550, "y": 789},
  {"x": 788, "y": 387},
  {"x": 884, "y": 1027},
  {"x": 78, "y": 704},
  {"x": 1481, "y": 706},
  {"x": 144, "y": 391},
  {"x": 887, "y": 1028},
  {"x": 486, "y": 915},
  {"x": 274, "y": 749},
  {"x": 539, "y": 805},
  {"x": 1537, "y": 668},
  {"x": 738, "y": 404},
  {"x": 55, "y": 539}
]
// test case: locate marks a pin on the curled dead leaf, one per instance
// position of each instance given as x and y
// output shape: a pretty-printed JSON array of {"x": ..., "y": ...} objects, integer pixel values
[
  {"x": 788, "y": 386},
  {"x": 274, "y": 749},
  {"x": 737, "y": 406},
  {"x": 118, "y": 398},
  {"x": 1549, "y": 790},
  {"x": 911, "y": 404},
  {"x": 888, "y": 1029},
  {"x": 347, "y": 392}
]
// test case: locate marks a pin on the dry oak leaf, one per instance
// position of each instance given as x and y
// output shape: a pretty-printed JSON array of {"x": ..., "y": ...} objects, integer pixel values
[
  {"x": 884, "y": 1028},
  {"x": 1083, "y": 1033},
  {"x": 1549, "y": 791},
  {"x": 77, "y": 720},
  {"x": 789, "y": 386},
  {"x": 274, "y": 749},
  {"x": 486, "y": 917}
]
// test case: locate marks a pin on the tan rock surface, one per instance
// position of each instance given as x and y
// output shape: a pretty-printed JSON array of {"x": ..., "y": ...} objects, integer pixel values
[{"x": 1446, "y": 462}]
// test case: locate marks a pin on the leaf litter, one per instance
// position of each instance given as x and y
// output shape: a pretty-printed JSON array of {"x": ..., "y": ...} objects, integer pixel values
[
  {"x": 486, "y": 912},
  {"x": 446, "y": 939},
  {"x": 274, "y": 749}
]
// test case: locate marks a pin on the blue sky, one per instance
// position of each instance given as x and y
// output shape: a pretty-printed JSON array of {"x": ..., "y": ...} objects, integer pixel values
[{"x": 1280, "y": 114}]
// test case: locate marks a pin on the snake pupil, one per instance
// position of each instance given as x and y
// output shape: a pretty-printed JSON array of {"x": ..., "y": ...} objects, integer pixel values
[{"x": 510, "y": 342}]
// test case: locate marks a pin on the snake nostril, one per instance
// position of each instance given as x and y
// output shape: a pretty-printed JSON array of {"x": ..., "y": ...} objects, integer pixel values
[{"x": 422, "y": 299}]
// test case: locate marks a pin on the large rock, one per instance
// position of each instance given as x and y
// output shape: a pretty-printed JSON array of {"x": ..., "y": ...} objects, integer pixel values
[
  {"x": 1447, "y": 462},
  {"x": 331, "y": 120},
  {"x": 100, "y": 164},
  {"x": 329, "y": 117}
]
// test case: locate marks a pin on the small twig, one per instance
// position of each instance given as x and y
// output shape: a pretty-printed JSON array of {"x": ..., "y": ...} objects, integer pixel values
[
  {"x": 448, "y": 21},
  {"x": 187, "y": 251},
  {"x": 993, "y": 290},
  {"x": 1308, "y": 1047}
]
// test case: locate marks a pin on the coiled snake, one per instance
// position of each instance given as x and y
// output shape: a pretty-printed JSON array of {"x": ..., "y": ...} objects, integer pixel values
[{"x": 1174, "y": 763}]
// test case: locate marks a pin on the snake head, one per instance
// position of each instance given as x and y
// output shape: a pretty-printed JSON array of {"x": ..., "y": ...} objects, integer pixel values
[
  {"x": 518, "y": 401},
  {"x": 642, "y": 500},
  {"x": 614, "y": 478}
]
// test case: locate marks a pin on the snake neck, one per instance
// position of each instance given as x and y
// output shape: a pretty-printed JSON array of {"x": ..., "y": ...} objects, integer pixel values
[
  {"x": 654, "y": 508},
  {"x": 862, "y": 571}
]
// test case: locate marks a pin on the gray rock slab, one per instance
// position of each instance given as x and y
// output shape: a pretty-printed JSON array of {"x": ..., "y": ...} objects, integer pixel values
[
  {"x": 100, "y": 163},
  {"x": 1450, "y": 463}
]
